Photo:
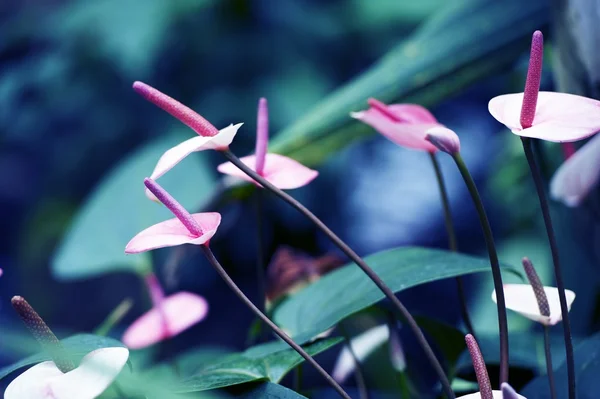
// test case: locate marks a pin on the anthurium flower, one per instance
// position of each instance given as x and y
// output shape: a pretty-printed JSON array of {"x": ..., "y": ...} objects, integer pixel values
[
  {"x": 290, "y": 270},
  {"x": 363, "y": 346},
  {"x": 578, "y": 175},
  {"x": 168, "y": 317},
  {"x": 404, "y": 124},
  {"x": 96, "y": 372},
  {"x": 196, "y": 229},
  {"x": 534, "y": 301},
  {"x": 281, "y": 171},
  {"x": 550, "y": 116},
  {"x": 210, "y": 138}
]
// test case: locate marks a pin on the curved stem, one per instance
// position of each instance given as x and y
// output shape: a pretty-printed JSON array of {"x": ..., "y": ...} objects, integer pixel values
[
  {"x": 356, "y": 259},
  {"x": 452, "y": 242},
  {"x": 537, "y": 178},
  {"x": 495, "y": 264},
  {"x": 260, "y": 259},
  {"x": 549, "y": 370},
  {"x": 237, "y": 291},
  {"x": 361, "y": 384}
]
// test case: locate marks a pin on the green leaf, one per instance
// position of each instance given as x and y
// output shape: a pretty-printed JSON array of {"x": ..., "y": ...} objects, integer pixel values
[
  {"x": 266, "y": 362},
  {"x": 427, "y": 67},
  {"x": 270, "y": 390},
  {"x": 348, "y": 290},
  {"x": 77, "y": 346},
  {"x": 587, "y": 370},
  {"x": 118, "y": 209}
]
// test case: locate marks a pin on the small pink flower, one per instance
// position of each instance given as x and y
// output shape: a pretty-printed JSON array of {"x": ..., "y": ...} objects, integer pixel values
[
  {"x": 195, "y": 229},
  {"x": 578, "y": 175},
  {"x": 209, "y": 137},
  {"x": 443, "y": 139},
  {"x": 557, "y": 117},
  {"x": 283, "y": 172},
  {"x": 404, "y": 124},
  {"x": 96, "y": 372},
  {"x": 168, "y": 317}
]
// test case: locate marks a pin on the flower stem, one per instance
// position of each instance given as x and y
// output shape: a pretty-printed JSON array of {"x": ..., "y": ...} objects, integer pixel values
[
  {"x": 356, "y": 259},
  {"x": 114, "y": 317},
  {"x": 452, "y": 243},
  {"x": 549, "y": 370},
  {"x": 535, "y": 174},
  {"x": 495, "y": 264},
  {"x": 237, "y": 291},
  {"x": 260, "y": 258},
  {"x": 361, "y": 384},
  {"x": 298, "y": 378}
]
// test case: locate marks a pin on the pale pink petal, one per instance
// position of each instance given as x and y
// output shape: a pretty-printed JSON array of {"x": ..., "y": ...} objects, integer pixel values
[
  {"x": 200, "y": 143},
  {"x": 95, "y": 373},
  {"x": 179, "y": 312},
  {"x": 363, "y": 345},
  {"x": 443, "y": 139},
  {"x": 97, "y": 370},
  {"x": 172, "y": 232},
  {"x": 559, "y": 117},
  {"x": 33, "y": 383},
  {"x": 477, "y": 395},
  {"x": 577, "y": 175},
  {"x": 521, "y": 299},
  {"x": 283, "y": 172},
  {"x": 404, "y": 134},
  {"x": 412, "y": 113}
]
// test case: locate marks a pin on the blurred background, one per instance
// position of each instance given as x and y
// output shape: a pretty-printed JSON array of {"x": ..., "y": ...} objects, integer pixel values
[{"x": 69, "y": 120}]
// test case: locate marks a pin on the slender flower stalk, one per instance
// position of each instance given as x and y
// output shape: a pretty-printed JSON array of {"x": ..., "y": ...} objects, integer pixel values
[
  {"x": 528, "y": 110},
  {"x": 262, "y": 142},
  {"x": 42, "y": 334},
  {"x": 356, "y": 259},
  {"x": 495, "y": 263},
  {"x": 544, "y": 307},
  {"x": 114, "y": 317},
  {"x": 452, "y": 243},
  {"x": 162, "y": 235},
  {"x": 238, "y": 292}
]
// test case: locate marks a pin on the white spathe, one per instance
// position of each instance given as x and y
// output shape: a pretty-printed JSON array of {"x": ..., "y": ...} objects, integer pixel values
[
  {"x": 97, "y": 370},
  {"x": 521, "y": 299}
]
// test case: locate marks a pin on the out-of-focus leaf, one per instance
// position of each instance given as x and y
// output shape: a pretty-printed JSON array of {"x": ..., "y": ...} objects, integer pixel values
[
  {"x": 486, "y": 36},
  {"x": 447, "y": 338},
  {"x": 118, "y": 209},
  {"x": 268, "y": 362},
  {"x": 270, "y": 390},
  {"x": 348, "y": 290},
  {"x": 76, "y": 346},
  {"x": 587, "y": 370}
]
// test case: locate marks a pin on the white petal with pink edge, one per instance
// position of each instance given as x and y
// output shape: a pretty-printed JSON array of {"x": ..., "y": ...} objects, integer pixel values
[
  {"x": 559, "y": 117},
  {"x": 578, "y": 175},
  {"x": 172, "y": 232},
  {"x": 521, "y": 299},
  {"x": 281, "y": 171},
  {"x": 178, "y": 312},
  {"x": 96, "y": 372},
  {"x": 199, "y": 143},
  {"x": 495, "y": 394}
]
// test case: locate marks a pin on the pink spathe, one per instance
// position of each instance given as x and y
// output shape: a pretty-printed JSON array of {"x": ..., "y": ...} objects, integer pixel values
[
  {"x": 443, "y": 139},
  {"x": 282, "y": 172},
  {"x": 559, "y": 117},
  {"x": 495, "y": 395},
  {"x": 96, "y": 372},
  {"x": 578, "y": 175},
  {"x": 172, "y": 232},
  {"x": 404, "y": 124},
  {"x": 521, "y": 298},
  {"x": 173, "y": 315}
]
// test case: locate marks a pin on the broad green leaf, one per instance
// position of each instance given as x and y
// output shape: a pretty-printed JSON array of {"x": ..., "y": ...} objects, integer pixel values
[
  {"x": 267, "y": 362},
  {"x": 587, "y": 371},
  {"x": 348, "y": 290},
  {"x": 118, "y": 209},
  {"x": 269, "y": 390},
  {"x": 429, "y": 66},
  {"x": 77, "y": 346}
]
